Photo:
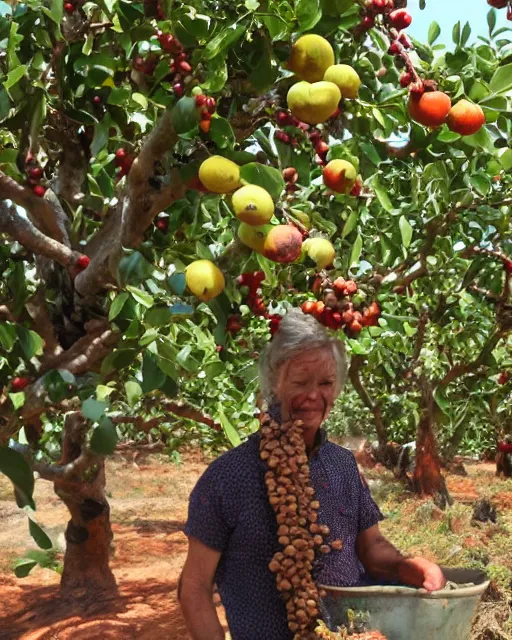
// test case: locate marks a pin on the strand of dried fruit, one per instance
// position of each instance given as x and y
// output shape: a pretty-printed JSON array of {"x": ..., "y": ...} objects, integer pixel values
[{"x": 301, "y": 536}]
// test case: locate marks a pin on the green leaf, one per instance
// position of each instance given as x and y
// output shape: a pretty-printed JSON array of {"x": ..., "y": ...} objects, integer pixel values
[
  {"x": 140, "y": 296},
  {"x": 441, "y": 400},
  {"x": 466, "y": 33},
  {"x": 119, "y": 95},
  {"x": 17, "y": 399},
  {"x": 133, "y": 392},
  {"x": 456, "y": 33},
  {"x": 223, "y": 40},
  {"x": 134, "y": 269},
  {"x": 405, "y": 231},
  {"x": 308, "y": 13},
  {"x": 178, "y": 283},
  {"x": 216, "y": 74},
  {"x": 31, "y": 343},
  {"x": 93, "y": 410},
  {"x": 185, "y": 115},
  {"x": 381, "y": 194},
  {"x": 104, "y": 438},
  {"x": 505, "y": 160},
  {"x": 269, "y": 178},
  {"x": 491, "y": 20},
  {"x": 157, "y": 316},
  {"x": 7, "y": 335},
  {"x": 481, "y": 183},
  {"x": 140, "y": 99},
  {"x": 222, "y": 133},
  {"x": 152, "y": 376},
  {"x": 103, "y": 391},
  {"x": 350, "y": 224},
  {"x": 117, "y": 305},
  {"x": 23, "y": 567},
  {"x": 41, "y": 538},
  {"x": 356, "y": 251},
  {"x": 502, "y": 79},
  {"x": 17, "y": 469},
  {"x": 434, "y": 31},
  {"x": 15, "y": 76},
  {"x": 229, "y": 429}
]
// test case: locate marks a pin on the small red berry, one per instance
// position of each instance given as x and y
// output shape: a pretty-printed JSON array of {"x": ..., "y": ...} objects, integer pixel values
[
  {"x": 201, "y": 100},
  {"x": 405, "y": 79},
  {"x": 97, "y": 99},
  {"x": 206, "y": 115},
  {"x": 395, "y": 49},
  {"x": 39, "y": 190},
  {"x": 405, "y": 41},
  {"x": 504, "y": 378},
  {"x": 283, "y": 137},
  {"x": 508, "y": 266},
  {"x": 18, "y": 384},
  {"x": 211, "y": 104},
  {"x": 219, "y": 348},
  {"x": 83, "y": 262},
  {"x": 321, "y": 147},
  {"x": 367, "y": 23},
  {"x": 185, "y": 66},
  {"x": 283, "y": 118},
  {"x": 69, "y": 7},
  {"x": 178, "y": 89},
  {"x": 35, "y": 172},
  {"x": 400, "y": 19}
]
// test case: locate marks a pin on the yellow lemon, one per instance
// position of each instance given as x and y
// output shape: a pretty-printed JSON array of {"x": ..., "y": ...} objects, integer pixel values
[
  {"x": 253, "y": 237},
  {"x": 313, "y": 103},
  {"x": 219, "y": 174},
  {"x": 204, "y": 279},
  {"x": 345, "y": 78},
  {"x": 253, "y": 204},
  {"x": 320, "y": 250},
  {"x": 311, "y": 56}
]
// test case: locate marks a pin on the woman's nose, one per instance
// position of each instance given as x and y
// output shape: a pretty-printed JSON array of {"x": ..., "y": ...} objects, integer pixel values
[{"x": 313, "y": 392}]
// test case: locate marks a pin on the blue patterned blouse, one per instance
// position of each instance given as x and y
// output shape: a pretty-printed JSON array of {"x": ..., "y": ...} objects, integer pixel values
[{"x": 229, "y": 511}]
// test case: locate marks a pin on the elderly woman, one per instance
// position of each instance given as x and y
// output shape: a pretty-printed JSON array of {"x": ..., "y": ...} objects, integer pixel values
[{"x": 232, "y": 530}]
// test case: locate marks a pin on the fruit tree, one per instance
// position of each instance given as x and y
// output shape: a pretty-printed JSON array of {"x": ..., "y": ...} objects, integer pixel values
[{"x": 174, "y": 177}]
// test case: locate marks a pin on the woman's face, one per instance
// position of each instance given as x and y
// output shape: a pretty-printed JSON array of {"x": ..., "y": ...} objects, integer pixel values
[{"x": 307, "y": 387}]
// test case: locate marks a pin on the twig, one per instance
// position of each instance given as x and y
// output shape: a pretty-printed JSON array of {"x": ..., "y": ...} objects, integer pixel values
[{"x": 459, "y": 370}]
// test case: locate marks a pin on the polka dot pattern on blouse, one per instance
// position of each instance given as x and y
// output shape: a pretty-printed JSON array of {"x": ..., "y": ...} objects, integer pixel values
[{"x": 229, "y": 511}]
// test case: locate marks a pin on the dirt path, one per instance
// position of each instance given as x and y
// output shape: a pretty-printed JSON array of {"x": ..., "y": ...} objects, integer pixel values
[{"x": 149, "y": 509}]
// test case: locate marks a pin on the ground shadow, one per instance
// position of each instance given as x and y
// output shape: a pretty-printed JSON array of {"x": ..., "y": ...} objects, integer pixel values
[{"x": 141, "y": 609}]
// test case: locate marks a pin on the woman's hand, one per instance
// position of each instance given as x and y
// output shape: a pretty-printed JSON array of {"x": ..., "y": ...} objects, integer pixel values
[{"x": 420, "y": 572}]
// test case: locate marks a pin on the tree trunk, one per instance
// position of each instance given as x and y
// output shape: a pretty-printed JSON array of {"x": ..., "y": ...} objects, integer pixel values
[
  {"x": 427, "y": 479},
  {"x": 88, "y": 534}
]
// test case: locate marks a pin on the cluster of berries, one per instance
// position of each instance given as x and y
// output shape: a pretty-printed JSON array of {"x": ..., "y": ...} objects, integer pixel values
[
  {"x": 337, "y": 310},
  {"x": 252, "y": 280},
  {"x": 208, "y": 106},
  {"x": 34, "y": 174},
  {"x": 123, "y": 161}
]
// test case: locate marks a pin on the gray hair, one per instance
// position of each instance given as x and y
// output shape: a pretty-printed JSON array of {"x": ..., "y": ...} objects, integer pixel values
[{"x": 297, "y": 333}]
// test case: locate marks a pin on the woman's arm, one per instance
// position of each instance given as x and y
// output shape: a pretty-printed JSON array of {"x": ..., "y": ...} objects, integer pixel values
[
  {"x": 195, "y": 592},
  {"x": 382, "y": 560}
]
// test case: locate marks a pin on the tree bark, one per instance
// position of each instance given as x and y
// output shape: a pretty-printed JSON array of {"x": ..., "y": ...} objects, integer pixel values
[
  {"x": 88, "y": 534},
  {"x": 427, "y": 477}
]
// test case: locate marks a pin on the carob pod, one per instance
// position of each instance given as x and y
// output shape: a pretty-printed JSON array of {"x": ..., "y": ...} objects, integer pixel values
[{"x": 301, "y": 536}]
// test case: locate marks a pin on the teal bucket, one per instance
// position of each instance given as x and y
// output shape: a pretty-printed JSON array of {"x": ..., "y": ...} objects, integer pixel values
[{"x": 403, "y": 613}]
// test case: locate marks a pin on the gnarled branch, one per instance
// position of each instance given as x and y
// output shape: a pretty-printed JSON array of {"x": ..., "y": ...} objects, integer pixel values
[
  {"x": 40, "y": 210},
  {"x": 22, "y": 230}
]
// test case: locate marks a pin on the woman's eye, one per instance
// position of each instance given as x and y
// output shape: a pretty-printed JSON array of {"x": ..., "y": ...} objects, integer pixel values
[{"x": 327, "y": 383}]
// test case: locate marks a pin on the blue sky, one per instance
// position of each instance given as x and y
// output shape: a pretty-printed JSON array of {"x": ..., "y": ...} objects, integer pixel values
[{"x": 447, "y": 13}]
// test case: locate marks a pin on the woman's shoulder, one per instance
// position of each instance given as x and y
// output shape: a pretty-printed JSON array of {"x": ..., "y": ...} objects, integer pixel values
[
  {"x": 237, "y": 461},
  {"x": 340, "y": 452}
]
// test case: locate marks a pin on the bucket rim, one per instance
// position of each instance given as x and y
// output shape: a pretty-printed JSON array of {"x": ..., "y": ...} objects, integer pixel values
[{"x": 411, "y": 592}]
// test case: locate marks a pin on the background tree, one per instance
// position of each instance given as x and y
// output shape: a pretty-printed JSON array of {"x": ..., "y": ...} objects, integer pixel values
[{"x": 108, "y": 111}]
